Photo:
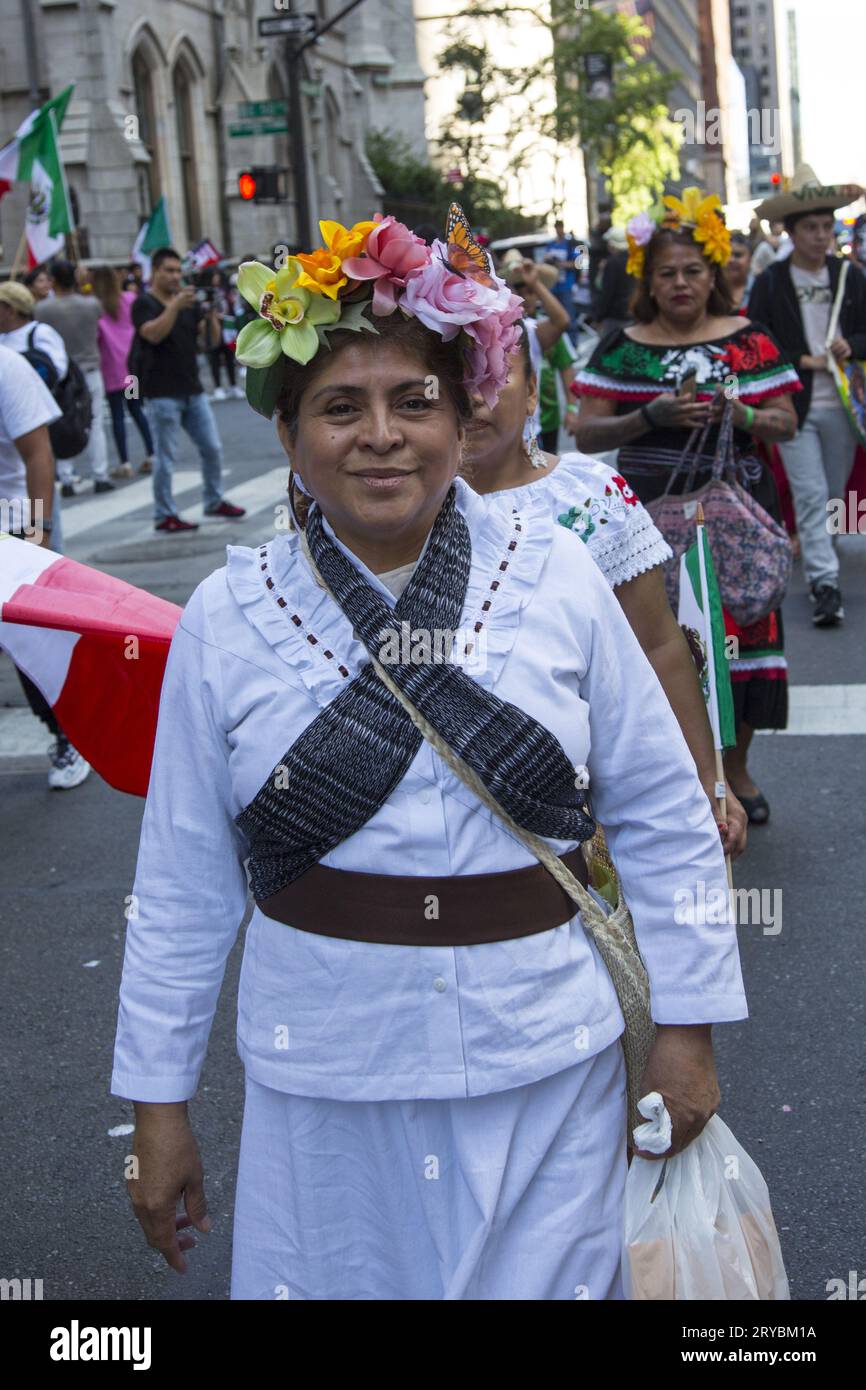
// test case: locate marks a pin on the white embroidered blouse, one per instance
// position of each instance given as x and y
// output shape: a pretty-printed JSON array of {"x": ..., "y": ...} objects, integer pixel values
[
  {"x": 260, "y": 649},
  {"x": 589, "y": 498}
]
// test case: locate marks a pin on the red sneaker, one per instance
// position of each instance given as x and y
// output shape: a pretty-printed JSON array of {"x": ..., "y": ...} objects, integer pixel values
[
  {"x": 226, "y": 509},
  {"x": 174, "y": 523}
]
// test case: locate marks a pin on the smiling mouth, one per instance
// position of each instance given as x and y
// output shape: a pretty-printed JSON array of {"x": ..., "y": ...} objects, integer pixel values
[{"x": 383, "y": 478}]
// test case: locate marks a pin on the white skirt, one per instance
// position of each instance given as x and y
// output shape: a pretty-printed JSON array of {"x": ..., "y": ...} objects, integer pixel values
[{"x": 513, "y": 1195}]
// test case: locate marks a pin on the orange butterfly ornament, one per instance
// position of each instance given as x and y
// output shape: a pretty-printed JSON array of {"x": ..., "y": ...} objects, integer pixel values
[{"x": 465, "y": 257}]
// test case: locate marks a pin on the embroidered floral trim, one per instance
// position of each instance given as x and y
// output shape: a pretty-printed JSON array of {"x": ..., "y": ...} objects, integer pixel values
[{"x": 294, "y": 618}]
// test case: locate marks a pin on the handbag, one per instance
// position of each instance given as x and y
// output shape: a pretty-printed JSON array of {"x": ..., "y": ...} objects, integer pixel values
[
  {"x": 752, "y": 555},
  {"x": 849, "y": 376}
]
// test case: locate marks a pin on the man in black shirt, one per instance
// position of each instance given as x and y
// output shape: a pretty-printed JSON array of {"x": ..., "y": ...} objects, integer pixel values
[{"x": 167, "y": 320}]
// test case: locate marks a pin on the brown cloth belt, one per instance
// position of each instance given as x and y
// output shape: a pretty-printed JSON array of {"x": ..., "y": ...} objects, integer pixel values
[{"x": 466, "y": 910}]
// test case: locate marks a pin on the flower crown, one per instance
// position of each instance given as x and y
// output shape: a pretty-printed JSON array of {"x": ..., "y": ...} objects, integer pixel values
[
  {"x": 694, "y": 212},
  {"x": 450, "y": 287}
]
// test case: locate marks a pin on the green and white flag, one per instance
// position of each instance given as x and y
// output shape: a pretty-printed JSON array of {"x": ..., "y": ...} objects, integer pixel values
[
  {"x": 33, "y": 156},
  {"x": 699, "y": 595},
  {"x": 152, "y": 234}
]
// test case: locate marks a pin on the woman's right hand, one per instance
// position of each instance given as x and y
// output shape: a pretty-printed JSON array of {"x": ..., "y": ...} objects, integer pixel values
[
  {"x": 169, "y": 1168},
  {"x": 669, "y": 411}
]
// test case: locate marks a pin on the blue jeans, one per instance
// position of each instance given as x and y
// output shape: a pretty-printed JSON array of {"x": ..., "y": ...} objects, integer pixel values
[
  {"x": 170, "y": 414},
  {"x": 116, "y": 402}
]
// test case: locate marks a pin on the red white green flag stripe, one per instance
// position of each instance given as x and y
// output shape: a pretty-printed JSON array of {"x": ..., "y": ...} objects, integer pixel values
[
  {"x": 96, "y": 647},
  {"x": 701, "y": 617}
]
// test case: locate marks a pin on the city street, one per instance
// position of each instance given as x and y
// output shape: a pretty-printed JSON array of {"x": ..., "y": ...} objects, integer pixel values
[{"x": 792, "y": 1077}]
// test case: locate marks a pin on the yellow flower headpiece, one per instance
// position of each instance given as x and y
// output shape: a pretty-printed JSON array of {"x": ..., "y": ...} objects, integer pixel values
[{"x": 695, "y": 212}]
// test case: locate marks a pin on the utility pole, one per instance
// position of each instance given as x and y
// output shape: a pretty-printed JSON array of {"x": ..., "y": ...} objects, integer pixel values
[{"x": 297, "y": 135}]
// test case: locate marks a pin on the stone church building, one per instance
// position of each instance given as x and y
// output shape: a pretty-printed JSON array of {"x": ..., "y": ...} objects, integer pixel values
[{"x": 158, "y": 110}]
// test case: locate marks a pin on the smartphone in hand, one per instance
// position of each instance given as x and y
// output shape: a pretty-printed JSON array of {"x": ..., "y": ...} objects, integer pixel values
[{"x": 688, "y": 384}]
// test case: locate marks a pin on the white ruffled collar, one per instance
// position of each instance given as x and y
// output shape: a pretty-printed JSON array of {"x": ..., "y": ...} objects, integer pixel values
[{"x": 275, "y": 589}]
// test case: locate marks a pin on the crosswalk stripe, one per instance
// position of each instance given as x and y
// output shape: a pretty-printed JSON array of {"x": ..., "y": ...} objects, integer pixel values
[
  {"x": 825, "y": 709},
  {"x": 814, "y": 710},
  {"x": 111, "y": 506}
]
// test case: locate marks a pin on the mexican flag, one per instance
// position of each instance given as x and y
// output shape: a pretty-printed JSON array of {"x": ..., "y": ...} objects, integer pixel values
[
  {"x": 152, "y": 234},
  {"x": 701, "y": 618},
  {"x": 96, "y": 647},
  {"x": 33, "y": 156}
]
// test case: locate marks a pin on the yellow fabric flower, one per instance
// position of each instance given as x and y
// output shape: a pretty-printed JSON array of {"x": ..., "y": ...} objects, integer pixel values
[
  {"x": 345, "y": 241},
  {"x": 693, "y": 207},
  {"x": 636, "y": 255},
  {"x": 321, "y": 273},
  {"x": 715, "y": 238}
]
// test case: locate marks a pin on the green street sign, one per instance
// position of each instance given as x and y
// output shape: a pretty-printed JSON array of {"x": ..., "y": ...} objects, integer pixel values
[
  {"x": 258, "y": 109},
  {"x": 266, "y": 126}
]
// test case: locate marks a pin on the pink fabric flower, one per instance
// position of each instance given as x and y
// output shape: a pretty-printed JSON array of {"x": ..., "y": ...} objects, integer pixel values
[
  {"x": 392, "y": 253},
  {"x": 495, "y": 338},
  {"x": 446, "y": 303},
  {"x": 640, "y": 228}
]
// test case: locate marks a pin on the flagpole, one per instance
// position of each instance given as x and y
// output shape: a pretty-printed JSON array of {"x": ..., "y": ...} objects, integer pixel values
[
  {"x": 713, "y": 705},
  {"x": 20, "y": 260}
]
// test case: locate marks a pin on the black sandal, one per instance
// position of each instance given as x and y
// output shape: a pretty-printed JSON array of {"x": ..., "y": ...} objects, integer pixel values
[{"x": 757, "y": 808}]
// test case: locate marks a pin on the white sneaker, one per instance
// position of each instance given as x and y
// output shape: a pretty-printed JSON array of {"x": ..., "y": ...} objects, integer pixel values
[
  {"x": 239, "y": 393},
  {"x": 122, "y": 470},
  {"x": 219, "y": 394},
  {"x": 68, "y": 768}
]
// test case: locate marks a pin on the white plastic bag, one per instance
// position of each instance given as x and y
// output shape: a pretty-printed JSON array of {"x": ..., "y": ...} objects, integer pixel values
[{"x": 698, "y": 1225}]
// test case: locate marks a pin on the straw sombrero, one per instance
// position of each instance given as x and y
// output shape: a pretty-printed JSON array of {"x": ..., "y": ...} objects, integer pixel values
[{"x": 806, "y": 193}]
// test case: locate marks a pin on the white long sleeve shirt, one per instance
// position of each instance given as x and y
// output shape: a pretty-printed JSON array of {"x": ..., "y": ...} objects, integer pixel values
[{"x": 351, "y": 1020}]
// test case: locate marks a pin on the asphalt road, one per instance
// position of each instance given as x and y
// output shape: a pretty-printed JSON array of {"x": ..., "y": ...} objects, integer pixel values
[{"x": 792, "y": 1076}]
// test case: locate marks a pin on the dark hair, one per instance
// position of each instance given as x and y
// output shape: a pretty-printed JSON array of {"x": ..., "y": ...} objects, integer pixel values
[
  {"x": 165, "y": 253},
  {"x": 790, "y": 222},
  {"x": 63, "y": 273},
  {"x": 740, "y": 239},
  {"x": 644, "y": 309},
  {"x": 443, "y": 360},
  {"x": 33, "y": 275}
]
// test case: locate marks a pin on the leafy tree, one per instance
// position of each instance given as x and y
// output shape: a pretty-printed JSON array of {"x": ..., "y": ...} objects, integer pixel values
[{"x": 628, "y": 138}]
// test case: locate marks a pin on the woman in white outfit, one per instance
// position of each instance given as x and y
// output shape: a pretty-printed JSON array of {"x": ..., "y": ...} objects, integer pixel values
[
  {"x": 435, "y": 1104},
  {"x": 588, "y": 497}
]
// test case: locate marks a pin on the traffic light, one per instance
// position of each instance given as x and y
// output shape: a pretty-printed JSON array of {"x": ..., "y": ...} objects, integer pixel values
[
  {"x": 776, "y": 180},
  {"x": 263, "y": 183}
]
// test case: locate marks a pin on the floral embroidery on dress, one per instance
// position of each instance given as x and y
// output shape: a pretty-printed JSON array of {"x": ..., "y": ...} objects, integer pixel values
[
  {"x": 629, "y": 495},
  {"x": 633, "y": 359},
  {"x": 752, "y": 350}
]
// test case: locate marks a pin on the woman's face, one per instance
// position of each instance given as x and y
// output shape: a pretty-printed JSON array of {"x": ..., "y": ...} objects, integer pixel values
[
  {"x": 41, "y": 287},
  {"x": 738, "y": 266},
  {"x": 492, "y": 435},
  {"x": 681, "y": 281},
  {"x": 377, "y": 444}
]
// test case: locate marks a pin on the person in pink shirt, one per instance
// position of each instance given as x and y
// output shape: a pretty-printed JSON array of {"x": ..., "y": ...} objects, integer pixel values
[{"x": 115, "y": 332}]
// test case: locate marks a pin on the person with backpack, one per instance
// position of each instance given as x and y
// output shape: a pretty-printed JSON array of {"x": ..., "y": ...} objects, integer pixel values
[
  {"x": 45, "y": 350},
  {"x": 76, "y": 318},
  {"x": 116, "y": 333},
  {"x": 20, "y": 332}
]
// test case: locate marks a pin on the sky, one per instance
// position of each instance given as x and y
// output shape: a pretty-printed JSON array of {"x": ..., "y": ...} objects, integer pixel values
[{"x": 831, "y": 42}]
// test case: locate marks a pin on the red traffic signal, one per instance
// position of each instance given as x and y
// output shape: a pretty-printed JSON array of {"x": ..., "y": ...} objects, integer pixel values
[
  {"x": 776, "y": 180},
  {"x": 247, "y": 186}
]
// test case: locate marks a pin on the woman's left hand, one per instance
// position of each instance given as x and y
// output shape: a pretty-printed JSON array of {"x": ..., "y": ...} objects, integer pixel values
[
  {"x": 734, "y": 832},
  {"x": 682, "y": 1069}
]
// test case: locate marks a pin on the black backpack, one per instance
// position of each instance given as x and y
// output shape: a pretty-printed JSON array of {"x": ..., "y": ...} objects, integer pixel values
[
  {"x": 140, "y": 354},
  {"x": 69, "y": 434}
]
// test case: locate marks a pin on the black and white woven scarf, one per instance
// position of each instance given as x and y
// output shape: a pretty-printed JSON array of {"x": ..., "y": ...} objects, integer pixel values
[{"x": 346, "y": 763}]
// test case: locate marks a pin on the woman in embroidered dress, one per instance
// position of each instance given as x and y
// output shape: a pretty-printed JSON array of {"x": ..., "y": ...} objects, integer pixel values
[
  {"x": 591, "y": 499},
  {"x": 435, "y": 1100},
  {"x": 636, "y": 396}
]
